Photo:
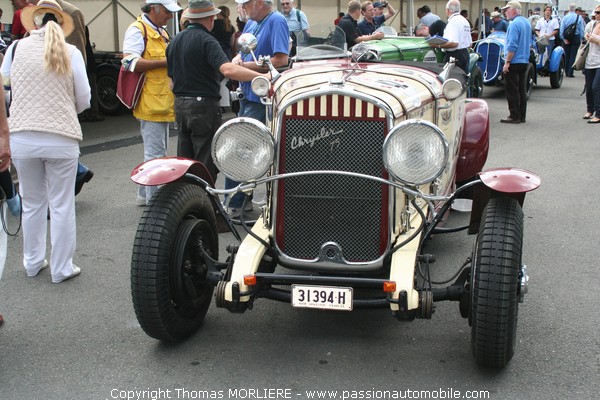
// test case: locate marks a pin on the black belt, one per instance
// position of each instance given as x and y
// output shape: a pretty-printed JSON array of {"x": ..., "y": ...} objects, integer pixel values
[{"x": 201, "y": 99}]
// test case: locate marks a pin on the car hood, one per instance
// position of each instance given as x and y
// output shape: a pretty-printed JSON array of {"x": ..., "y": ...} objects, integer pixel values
[{"x": 402, "y": 87}]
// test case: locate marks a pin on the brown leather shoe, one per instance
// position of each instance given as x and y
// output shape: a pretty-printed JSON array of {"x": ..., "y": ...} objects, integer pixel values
[
  {"x": 509, "y": 120},
  {"x": 1, "y": 320}
]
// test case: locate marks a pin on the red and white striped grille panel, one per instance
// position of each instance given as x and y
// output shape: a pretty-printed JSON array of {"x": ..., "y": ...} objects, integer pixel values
[{"x": 335, "y": 106}]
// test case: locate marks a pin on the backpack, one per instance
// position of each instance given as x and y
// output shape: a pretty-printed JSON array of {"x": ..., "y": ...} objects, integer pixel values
[{"x": 570, "y": 31}]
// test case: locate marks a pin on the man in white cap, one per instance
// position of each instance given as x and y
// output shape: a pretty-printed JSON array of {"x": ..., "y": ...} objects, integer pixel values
[
  {"x": 273, "y": 39},
  {"x": 195, "y": 62},
  {"x": 498, "y": 24},
  {"x": 516, "y": 56},
  {"x": 144, "y": 50}
]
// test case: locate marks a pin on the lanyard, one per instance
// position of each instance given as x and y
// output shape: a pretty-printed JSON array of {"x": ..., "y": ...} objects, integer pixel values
[
  {"x": 160, "y": 30},
  {"x": 258, "y": 26}
]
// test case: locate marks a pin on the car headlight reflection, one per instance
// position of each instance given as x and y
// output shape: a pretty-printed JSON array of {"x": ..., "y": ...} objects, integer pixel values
[
  {"x": 415, "y": 152},
  {"x": 260, "y": 86},
  {"x": 243, "y": 149},
  {"x": 452, "y": 88}
]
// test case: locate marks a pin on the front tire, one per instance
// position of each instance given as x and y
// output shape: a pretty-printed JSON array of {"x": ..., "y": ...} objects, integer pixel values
[
  {"x": 530, "y": 76},
  {"x": 556, "y": 77},
  {"x": 495, "y": 282},
  {"x": 475, "y": 84},
  {"x": 169, "y": 286}
]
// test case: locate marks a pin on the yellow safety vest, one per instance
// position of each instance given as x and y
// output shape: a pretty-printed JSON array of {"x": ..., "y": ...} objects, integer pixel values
[{"x": 157, "y": 100}]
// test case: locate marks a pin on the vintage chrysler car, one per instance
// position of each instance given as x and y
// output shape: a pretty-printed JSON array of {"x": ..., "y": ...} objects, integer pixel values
[{"x": 361, "y": 162}]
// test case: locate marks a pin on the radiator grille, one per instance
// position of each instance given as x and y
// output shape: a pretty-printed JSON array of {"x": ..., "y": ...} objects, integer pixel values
[{"x": 316, "y": 209}]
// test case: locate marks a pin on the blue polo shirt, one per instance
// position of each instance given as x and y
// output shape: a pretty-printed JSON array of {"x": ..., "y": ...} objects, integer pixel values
[
  {"x": 272, "y": 37},
  {"x": 569, "y": 19},
  {"x": 366, "y": 28},
  {"x": 518, "y": 40}
]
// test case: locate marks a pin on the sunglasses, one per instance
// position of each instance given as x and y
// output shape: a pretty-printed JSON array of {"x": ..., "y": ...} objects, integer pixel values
[{"x": 596, "y": 12}]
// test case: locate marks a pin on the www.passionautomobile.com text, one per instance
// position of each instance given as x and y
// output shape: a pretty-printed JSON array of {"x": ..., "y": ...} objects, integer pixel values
[{"x": 277, "y": 393}]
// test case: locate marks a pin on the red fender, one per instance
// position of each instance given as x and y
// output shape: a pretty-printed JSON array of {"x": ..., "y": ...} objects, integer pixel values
[
  {"x": 510, "y": 180},
  {"x": 513, "y": 182},
  {"x": 168, "y": 169},
  {"x": 475, "y": 140}
]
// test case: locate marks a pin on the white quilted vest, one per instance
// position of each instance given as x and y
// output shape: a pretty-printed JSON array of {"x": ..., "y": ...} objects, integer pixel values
[{"x": 41, "y": 101}]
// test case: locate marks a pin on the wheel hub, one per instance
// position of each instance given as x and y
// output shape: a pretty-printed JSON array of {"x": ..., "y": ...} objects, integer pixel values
[{"x": 524, "y": 280}]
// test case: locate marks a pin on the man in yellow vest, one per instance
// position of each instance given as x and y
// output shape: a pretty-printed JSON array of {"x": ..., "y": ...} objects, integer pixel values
[{"x": 144, "y": 50}]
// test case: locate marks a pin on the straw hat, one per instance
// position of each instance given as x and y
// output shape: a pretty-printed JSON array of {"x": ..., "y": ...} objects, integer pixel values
[{"x": 44, "y": 7}]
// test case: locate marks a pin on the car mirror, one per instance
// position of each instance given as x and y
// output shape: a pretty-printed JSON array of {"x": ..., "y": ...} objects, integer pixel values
[{"x": 247, "y": 43}]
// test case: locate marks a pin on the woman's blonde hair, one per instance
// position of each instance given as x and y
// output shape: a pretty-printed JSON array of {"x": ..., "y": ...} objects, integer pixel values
[{"x": 56, "y": 56}]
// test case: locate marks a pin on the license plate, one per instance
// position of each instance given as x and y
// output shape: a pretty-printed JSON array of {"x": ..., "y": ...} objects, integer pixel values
[{"x": 323, "y": 297}]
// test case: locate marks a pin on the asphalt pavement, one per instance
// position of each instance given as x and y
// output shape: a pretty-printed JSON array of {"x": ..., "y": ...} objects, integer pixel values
[{"x": 80, "y": 339}]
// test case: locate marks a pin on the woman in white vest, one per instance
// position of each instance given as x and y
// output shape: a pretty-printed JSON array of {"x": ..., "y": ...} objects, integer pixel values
[{"x": 49, "y": 88}]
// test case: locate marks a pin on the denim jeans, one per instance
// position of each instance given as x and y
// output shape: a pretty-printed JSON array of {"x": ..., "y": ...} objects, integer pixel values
[
  {"x": 155, "y": 136},
  {"x": 248, "y": 109},
  {"x": 570, "y": 53},
  {"x": 592, "y": 90}
]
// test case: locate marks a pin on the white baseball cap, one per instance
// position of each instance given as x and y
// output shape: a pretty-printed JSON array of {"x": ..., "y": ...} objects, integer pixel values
[{"x": 170, "y": 5}]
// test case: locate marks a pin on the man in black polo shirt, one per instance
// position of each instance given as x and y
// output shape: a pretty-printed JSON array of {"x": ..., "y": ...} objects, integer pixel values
[
  {"x": 195, "y": 63},
  {"x": 349, "y": 25}
]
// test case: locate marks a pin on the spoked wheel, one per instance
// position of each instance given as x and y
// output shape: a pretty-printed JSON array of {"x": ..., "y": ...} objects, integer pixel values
[
  {"x": 495, "y": 282},
  {"x": 169, "y": 286},
  {"x": 556, "y": 77},
  {"x": 108, "y": 102},
  {"x": 530, "y": 78}
]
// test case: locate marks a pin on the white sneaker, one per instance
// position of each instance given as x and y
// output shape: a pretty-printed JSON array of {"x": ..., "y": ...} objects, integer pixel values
[
  {"x": 76, "y": 272},
  {"x": 44, "y": 266}
]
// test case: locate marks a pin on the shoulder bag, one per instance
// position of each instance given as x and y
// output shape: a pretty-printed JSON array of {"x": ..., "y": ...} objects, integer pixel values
[
  {"x": 130, "y": 83},
  {"x": 581, "y": 56}
]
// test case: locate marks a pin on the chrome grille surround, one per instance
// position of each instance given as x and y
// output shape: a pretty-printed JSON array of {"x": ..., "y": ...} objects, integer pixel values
[
  {"x": 491, "y": 52},
  {"x": 331, "y": 221}
]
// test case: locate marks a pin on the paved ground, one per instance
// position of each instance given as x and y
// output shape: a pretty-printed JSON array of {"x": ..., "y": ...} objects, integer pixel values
[{"x": 81, "y": 340}]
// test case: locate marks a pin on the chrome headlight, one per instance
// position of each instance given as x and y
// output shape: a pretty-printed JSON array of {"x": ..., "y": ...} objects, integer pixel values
[
  {"x": 415, "y": 152},
  {"x": 452, "y": 88},
  {"x": 243, "y": 149},
  {"x": 260, "y": 86}
]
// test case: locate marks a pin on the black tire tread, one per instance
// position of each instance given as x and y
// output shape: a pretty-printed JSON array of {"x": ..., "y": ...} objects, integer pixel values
[
  {"x": 151, "y": 255},
  {"x": 495, "y": 285},
  {"x": 555, "y": 77}
]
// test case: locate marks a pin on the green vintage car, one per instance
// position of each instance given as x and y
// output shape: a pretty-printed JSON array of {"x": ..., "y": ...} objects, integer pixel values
[{"x": 412, "y": 48}]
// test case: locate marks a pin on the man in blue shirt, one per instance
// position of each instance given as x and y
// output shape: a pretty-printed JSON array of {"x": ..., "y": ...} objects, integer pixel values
[
  {"x": 516, "y": 56},
  {"x": 370, "y": 21},
  {"x": 296, "y": 20},
  {"x": 498, "y": 24},
  {"x": 273, "y": 39},
  {"x": 572, "y": 45}
]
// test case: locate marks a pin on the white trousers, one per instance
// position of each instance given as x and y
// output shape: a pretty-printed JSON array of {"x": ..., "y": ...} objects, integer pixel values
[{"x": 47, "y": 184}]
